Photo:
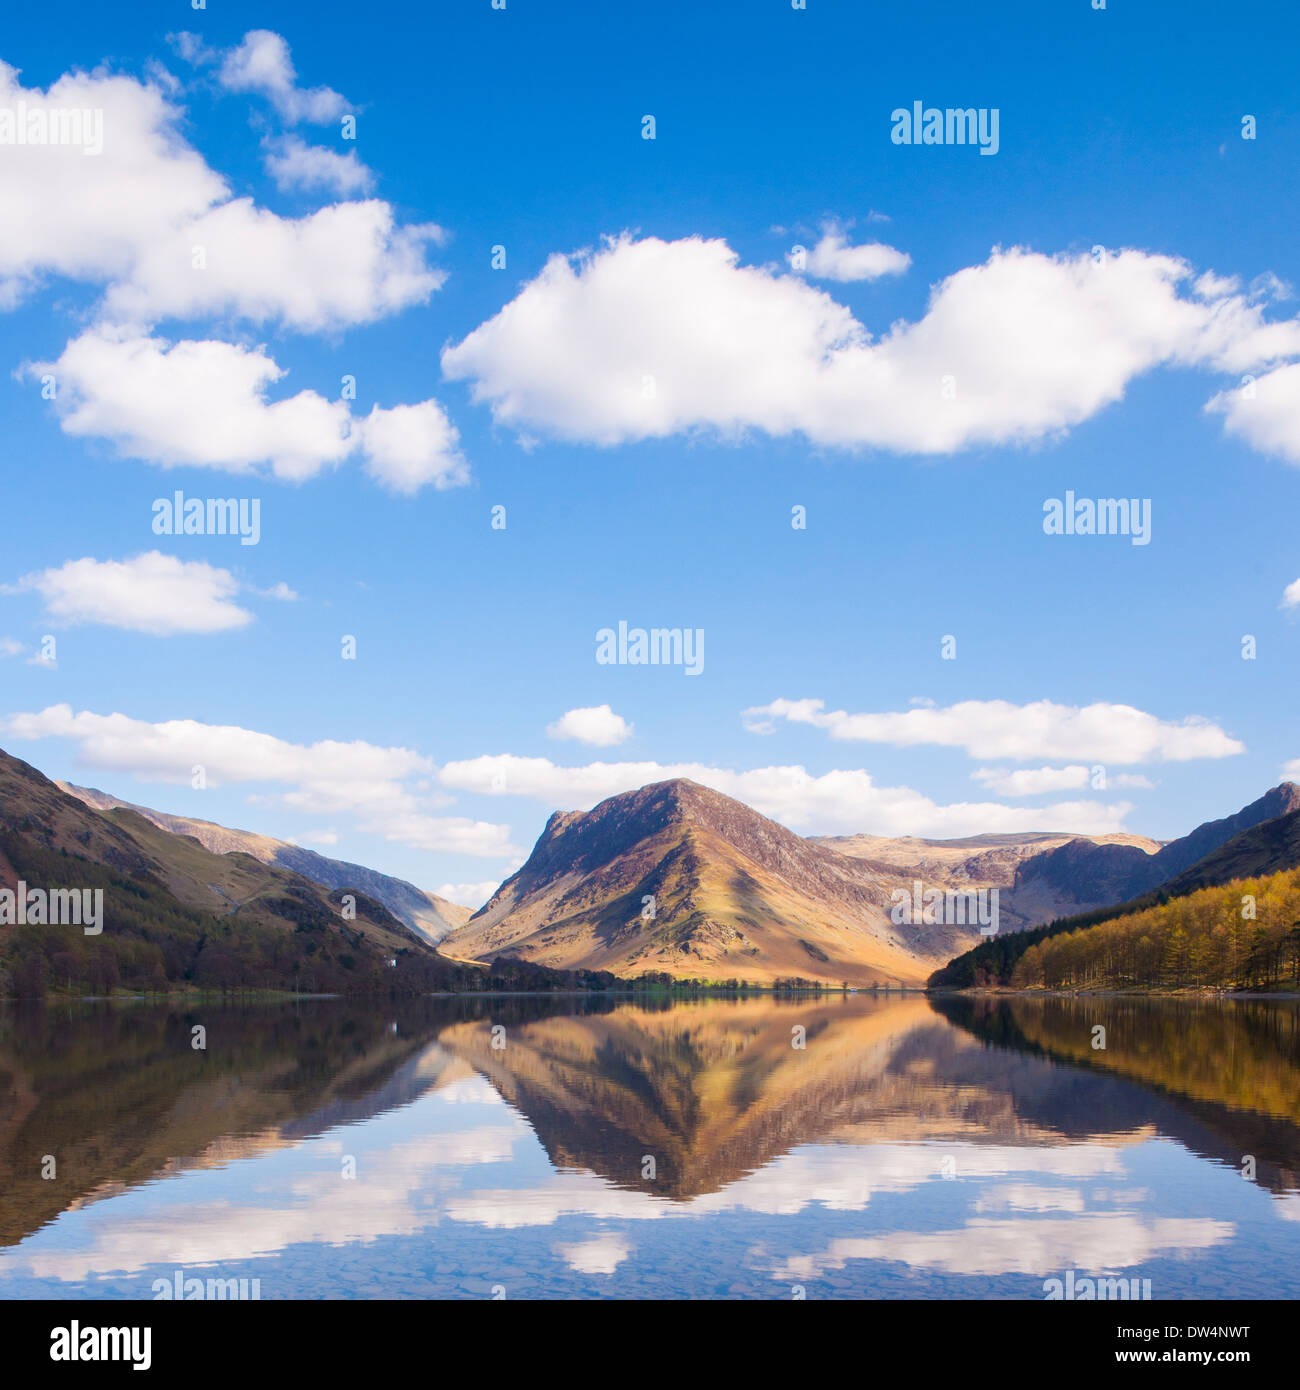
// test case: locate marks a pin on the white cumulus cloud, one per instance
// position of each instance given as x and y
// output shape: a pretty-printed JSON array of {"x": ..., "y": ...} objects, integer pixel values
[
  {"x": 834, "y": 259},
  {"x": 153, "y": 593},
  {"x": 380, "y": 787},
  {"x": 261, "y": 64},
  {"x": 1265, "y": 412},
  {"x": 149, "y": 220},
  {"x": 198, "y": 403},
  {"x": 138, "y": 211},
  {"x": 347, "y": 263},
  {"x": 595, "y": 724},
  {"x": 407, "y": 446},
  {"x": 1033, "y": 781},
  {"x": 467, "y": 894},
  {"x": 841, "y": 802},
  {"x": 647, "y": 338},
  {"x": 204, "y": 403},
  {"x": 295, "y": 165},
  {"x": 1100, "y": 732}
]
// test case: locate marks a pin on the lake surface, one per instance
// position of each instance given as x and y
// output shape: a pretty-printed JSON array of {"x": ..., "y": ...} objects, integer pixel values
[{"x": 617, "y": 1148}]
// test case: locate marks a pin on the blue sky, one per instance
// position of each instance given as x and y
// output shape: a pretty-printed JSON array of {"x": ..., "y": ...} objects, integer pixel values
[{"x": 649, "y": 414}]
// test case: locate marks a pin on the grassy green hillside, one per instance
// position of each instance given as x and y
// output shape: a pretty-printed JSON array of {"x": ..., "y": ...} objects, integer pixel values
[{"x": 152, "y": 941}]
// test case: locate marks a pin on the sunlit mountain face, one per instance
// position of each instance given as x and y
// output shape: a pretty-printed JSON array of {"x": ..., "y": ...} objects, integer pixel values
[{"x": 817, "y": 1147}]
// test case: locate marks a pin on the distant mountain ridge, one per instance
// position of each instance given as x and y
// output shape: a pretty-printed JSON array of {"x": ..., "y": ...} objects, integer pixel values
[
  {"x": 735, "y": 895},
  {"x": 1126, "y": 872},
  {"x": 1044, "y": 877},
  {"x": 1262, "y": 850},
  {"x": 1005, "y": 862},
  {"x": 1266, "y": 848},
  {"x": 427, "y": 914}
]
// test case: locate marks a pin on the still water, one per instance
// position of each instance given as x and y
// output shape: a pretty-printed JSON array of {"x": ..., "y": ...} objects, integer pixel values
[{"x": 623, "y": 1149}]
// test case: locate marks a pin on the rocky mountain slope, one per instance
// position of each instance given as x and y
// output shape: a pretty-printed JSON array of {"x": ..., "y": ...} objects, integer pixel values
[
  {"x": 1082, "y": 876},
  {"x": 678, "y": 878},
  {"x": 1267, "y": 848},
  {"x": 1043, "y": 877},
  {"x": 1006, "y": 862}
]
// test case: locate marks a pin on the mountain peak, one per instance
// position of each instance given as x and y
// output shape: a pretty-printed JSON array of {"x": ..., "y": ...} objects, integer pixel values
[
  {"x": 675, "y": 791},
  {"x": 679, "y": 877}
]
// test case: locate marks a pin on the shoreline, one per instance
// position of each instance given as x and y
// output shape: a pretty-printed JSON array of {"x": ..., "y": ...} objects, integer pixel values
[
  {"x": 1208, "y": 995},
  {"x": 711, "y": 992}
]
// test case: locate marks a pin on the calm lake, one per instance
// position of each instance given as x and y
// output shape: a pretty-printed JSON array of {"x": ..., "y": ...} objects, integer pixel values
[{"x": 561, "y": 1148}]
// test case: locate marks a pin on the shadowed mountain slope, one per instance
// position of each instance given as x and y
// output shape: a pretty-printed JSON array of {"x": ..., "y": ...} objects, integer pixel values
[{"x": 425, "y": 913}]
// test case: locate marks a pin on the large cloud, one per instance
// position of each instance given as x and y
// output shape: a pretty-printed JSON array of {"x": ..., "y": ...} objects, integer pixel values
[
  {"x": 835, "y": 803},
  {"x": 261, "y": 64},
  {"x": 152, "y": 593},
  {"x": 150, "y": 220},
  {"x": 1102, "y": 733},
  {"x": 1034, "y": 781},
  {"x": 408, "y": 446},
  {"x": 384, "y": 788},
  {"x": 388, "y": 789},
  {"x": 66, "y": 212},
  {"x": 203, "y": 403},
  {"x": 344, "y": 264},
  {"x": 1265, "y": 412},
  {"x": 200, "y": 403},
  {"x": 647, "y": 338}
]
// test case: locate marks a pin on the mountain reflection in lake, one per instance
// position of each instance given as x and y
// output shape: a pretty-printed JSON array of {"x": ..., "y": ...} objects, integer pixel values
[{"x": 612, "y": 1148}]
